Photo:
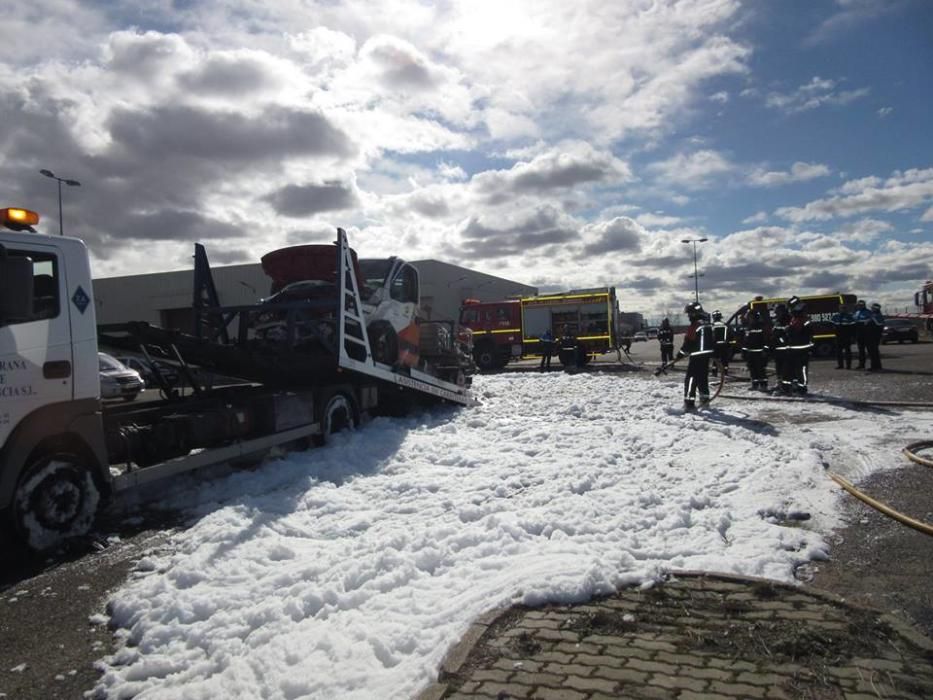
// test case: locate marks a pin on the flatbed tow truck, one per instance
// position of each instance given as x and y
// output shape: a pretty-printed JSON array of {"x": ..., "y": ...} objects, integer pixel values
[{"x": 64, "y": 452}]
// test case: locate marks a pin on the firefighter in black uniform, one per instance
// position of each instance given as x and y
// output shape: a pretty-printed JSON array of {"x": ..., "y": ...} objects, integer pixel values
[
  {"x": 755, "y": 347},
  {"x": 844, "y": 328},
  {"x": 698, "y": 346},
  {"x": 800, "y": 342},
  {"x": 862, "y": 316},
  {"x": 873, "y": 333},
  {"x": 666, "y": 339},
  {"x": 780, "y": 350},
  {"x": 721, "y": 338},
  {"x": 569, "y": 351}
]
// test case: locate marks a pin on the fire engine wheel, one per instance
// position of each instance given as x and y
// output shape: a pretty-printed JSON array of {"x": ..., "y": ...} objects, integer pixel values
[
  {"x": 383, "y": 342},
  {"x": 56, "y": 500},
  {"x": 488, "y": 358},
  {"x": 569, "y": 358},
  {"x": 337, "y": 412}
]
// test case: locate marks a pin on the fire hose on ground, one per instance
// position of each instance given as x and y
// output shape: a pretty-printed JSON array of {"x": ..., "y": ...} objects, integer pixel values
[
  {"x": 722, "y": 375},
  {"x": 881, "y": 507},
  {"x": 910, "y": 451},
  {"x": 802, "y": 399}
]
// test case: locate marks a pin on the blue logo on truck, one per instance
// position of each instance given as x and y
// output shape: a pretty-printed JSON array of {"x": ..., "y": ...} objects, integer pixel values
[{"x": 80, "y": 299}]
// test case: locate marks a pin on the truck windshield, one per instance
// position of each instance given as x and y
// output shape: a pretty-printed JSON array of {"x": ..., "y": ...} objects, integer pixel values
[{"x": 375, "y": 272}]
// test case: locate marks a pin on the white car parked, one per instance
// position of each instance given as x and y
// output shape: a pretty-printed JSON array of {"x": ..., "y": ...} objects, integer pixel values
[{"x": 117, "y": 380}]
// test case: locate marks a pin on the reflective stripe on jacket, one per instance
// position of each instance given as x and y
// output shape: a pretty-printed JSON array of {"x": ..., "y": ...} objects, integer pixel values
[{"x": 698, "y": 340}]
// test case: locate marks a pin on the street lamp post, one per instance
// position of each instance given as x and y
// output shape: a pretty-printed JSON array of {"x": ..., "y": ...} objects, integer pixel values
[
  {"x": 70, "y": 183},
  {"x": 696, "y": 276}
]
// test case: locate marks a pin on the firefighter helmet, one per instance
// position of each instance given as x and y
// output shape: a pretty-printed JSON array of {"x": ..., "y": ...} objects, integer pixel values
[
  {"x": 717, "y": 315},
  {"x": 876, "y": 307},
  {"x": 693, "y": 309}
]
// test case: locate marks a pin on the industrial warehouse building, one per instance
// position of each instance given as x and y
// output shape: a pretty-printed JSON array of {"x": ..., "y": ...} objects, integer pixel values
[{"x": 165, "y": 298}]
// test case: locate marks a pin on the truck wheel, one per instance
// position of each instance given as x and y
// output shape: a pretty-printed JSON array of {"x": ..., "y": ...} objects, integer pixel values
[
  {"x": 383, "y": 342},
  {"x": 56, "y": 500},
  {"x": 487, "y": 358},
  {"x": 337, "y": 412},
  {"x": 568, "y": 358}
]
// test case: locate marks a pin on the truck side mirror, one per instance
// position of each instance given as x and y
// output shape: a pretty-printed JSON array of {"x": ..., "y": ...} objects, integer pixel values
[
  {"x": 917, "y": 299},
  {"x": 16, "y": 292}
]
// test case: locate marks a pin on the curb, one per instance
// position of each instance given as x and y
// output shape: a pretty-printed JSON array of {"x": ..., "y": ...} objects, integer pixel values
[{"x": 458, "y": 654}]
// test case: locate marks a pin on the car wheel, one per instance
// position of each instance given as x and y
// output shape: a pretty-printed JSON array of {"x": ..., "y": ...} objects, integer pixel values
[{"x": 56, "y": 499}]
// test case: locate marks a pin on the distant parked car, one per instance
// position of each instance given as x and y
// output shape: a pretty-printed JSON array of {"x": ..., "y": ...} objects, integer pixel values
[
  {"x": 117, "y": 380},
  {"x": 640, "y": 337},
  {"x": 652, "y": 333},
  {"x": 899, "y": 329},
  {"x": 169, "y": 372}
]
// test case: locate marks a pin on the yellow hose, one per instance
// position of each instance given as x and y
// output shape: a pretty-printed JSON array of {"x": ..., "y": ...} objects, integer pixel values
[
  {"x": 877, "y": 505},
  {"x": 910, "y": 452}
]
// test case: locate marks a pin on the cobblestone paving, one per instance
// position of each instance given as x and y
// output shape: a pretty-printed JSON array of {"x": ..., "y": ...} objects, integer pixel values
[{"x": 693, "y": 637}]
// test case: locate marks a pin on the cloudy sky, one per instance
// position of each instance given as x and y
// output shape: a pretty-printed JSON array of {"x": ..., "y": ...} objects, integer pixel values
[{"x": 561, "y": 144}]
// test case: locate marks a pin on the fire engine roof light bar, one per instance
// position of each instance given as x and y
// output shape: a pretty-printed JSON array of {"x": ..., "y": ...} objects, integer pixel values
[
  {"x": 70, "y": 183},
  {"x": 696, "y": 277}
]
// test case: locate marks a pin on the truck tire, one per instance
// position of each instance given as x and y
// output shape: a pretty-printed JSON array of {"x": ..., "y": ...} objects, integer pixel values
[
  {"x": 56, "y": 500},
  {"x": 383, "y": 342},
  {"x": 569, "y": 358},
  {"x": 488, "y": 357},
  {"x": 824, "y": 350},
  {"x": 336, "y": 412}
]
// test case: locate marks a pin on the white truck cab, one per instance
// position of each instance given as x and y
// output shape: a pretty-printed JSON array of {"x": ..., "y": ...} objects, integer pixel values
[{"x": 49, "y": 380}]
